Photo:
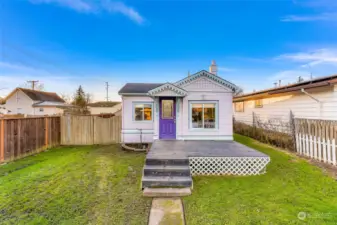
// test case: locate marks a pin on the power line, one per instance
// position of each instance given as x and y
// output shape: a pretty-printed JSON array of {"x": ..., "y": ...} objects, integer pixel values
[
  {"x": 33, "y": 83},
  {"x": 107, "y": 90}
]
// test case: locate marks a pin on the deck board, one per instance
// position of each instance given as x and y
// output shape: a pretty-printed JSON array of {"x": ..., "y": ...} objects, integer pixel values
[{"x": 177, "y": 149}]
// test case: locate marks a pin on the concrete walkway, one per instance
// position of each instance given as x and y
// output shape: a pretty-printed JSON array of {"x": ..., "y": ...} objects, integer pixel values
[{"x": 167, "y": 211}]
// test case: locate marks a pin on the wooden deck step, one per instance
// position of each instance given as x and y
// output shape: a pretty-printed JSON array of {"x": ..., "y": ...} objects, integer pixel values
[
  {"x": 166, "y": 181},
  {"x": 163, "y": 161},
  {"x": 167, "y": 170},
  {"x": 166, "y": 192}
]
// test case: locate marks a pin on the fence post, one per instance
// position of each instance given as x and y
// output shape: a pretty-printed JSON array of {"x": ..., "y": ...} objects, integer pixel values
[
  {"x": 2, "y": 141},
  {"x": 292, "y": 129},
  {"x": 254, "y": 124},
  {"x": 46, "y": 132}
]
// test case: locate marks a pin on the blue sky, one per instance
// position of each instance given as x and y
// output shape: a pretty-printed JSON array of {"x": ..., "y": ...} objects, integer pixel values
[{"x": 65, "y": 43}]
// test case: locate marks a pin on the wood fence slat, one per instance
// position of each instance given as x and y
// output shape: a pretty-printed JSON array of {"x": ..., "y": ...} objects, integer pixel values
[
  {"x": 88, "y": 130},
  {"x": 2, "y": 140},
  {"x": 25, "y": 136}
]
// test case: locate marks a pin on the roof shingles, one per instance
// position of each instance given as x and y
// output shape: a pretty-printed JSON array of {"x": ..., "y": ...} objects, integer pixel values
[{"x": 41, "y": 95}]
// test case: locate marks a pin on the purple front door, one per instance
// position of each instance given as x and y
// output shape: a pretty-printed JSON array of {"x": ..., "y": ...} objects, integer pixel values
[{"x": 167, "y": 118}]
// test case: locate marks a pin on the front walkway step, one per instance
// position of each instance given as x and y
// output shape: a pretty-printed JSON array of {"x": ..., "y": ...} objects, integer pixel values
[
  {"x": 167, "y": 211},
  {"x": 166, "y": 170},
  {"x": 166, "y": 192},
  {"x": 156, "y": 161},
  {"x": 166, "y": 181}
]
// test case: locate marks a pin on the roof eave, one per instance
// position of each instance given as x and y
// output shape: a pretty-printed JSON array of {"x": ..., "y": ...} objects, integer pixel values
[
  {"x": 133, "y": 94},
  {"x": 282, "y": 91}
]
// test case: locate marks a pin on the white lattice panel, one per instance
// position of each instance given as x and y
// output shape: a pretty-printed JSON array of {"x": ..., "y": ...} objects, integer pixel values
[{"x": 228, "y": 165}]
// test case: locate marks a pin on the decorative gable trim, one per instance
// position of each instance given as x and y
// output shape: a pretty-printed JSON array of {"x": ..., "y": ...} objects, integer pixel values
[
  {"x": 204, "y": 73},
  {"x": 170, "y": 87}
]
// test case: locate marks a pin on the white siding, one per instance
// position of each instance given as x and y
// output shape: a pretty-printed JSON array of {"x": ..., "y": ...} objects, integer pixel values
[
  {"x": 102, "y": 110},
  {"x": 19, "y": 102},
  {"x": 300, "y": 104},
  {"x": 225, "y": 122},
  {"x": 204, "y": 84},
  {"x": 47, "y": 111},
  {"x": 130, "y": 128}
]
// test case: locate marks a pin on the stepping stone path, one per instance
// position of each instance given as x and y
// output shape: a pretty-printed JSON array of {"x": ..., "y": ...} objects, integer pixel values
[{"x": 167, "y": 211}]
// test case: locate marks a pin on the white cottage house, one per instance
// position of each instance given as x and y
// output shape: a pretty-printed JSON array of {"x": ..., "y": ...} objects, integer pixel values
[
  {"x": 33, "y": 103},
  {"x": 198, "y": 107}
]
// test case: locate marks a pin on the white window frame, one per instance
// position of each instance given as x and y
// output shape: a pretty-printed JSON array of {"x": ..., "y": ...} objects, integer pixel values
[
  {"x": 243, "y": 106},
  {"x": 133, "y": 112},
  {"x": 258, "y": 106},
  {"x": 216, "y": 115},
  {"x": 41, "y": 109}
]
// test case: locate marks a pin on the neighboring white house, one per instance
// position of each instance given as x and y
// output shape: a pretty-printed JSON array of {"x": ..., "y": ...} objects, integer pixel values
[
  {"x": 34, "y": 103},
  {"x": 104, "y": 107},
  {"x": 198, "y": 107},
  {"x": 313, "y": 99}
]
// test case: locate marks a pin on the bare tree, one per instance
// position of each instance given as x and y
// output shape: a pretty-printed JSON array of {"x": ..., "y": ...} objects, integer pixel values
[
  {"x": 238, "y": 91},
  {"x": 66, "y": 98}
]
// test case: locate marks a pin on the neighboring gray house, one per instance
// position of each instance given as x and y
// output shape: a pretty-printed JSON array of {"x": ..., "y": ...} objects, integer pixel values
[{"x": 34, "y": 103}]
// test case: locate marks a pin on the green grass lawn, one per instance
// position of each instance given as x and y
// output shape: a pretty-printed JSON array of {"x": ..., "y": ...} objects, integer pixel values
[
  {"x": 74, "y": 185},
  {"x": 290, "y": 186}
]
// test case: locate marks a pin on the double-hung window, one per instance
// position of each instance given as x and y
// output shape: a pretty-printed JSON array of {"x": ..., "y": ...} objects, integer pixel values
[
  {"x": 203, "y": 115},
  {"x": 142, "y": 111}
]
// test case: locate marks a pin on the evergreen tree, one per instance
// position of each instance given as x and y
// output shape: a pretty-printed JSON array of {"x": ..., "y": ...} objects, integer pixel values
[{"x": 80, "y": 98}]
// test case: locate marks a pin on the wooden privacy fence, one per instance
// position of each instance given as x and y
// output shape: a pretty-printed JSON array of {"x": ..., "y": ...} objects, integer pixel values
[
  {"x": 89, "y": 130},
  {"x": 20, "y": 137},
  {"x": 317, "y": 139}
]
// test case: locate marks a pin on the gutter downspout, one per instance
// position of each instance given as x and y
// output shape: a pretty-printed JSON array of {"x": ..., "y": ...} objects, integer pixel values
[{"x": 312, "y": 97}]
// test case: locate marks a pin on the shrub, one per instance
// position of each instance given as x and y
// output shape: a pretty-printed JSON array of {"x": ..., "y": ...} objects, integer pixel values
[{"x": 275, "y": 138}]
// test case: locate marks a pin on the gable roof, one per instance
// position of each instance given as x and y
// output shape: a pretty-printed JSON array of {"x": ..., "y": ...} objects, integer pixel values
[
  {"x": 38, "y": 95},
  {"x": 204, "y": 73},
  {"x": 177, "y": 91},
  {"x": 144, "y": 88},
  {"x": 103, "y": 104},
  {"x": 138, "y": 88},
  {"x": 318, "y": 82}
]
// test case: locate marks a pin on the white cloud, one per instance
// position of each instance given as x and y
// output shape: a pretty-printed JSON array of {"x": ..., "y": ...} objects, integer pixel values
[
  {"x": 78, "y": 5},
  {"x": 92, "y": 6},
  {"x": 225, "y": 69},
  {"x": 313, "y": 58},
  {"x": 326, "y": 11},
  {"x": 120, "y": 7},
  {"x": 307, "y": 18},
  {"x": 289, "y": 76}
]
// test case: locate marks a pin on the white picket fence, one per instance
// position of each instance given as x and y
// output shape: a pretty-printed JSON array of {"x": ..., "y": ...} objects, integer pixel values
[{"x": 313, "y": 147}]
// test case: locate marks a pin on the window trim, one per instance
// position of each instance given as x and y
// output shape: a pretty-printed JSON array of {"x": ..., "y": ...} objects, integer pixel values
[
  {"x": 190, "y": 115},
  {"x": 243, "y": 107},
  {"x": 260, "y": 106},
  {"x": 133, "y": 112}
]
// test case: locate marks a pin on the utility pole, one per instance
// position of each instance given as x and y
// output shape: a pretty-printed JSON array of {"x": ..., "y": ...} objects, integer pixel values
[
  {"x": 107, "y": 90},
  {"x": 33, "y": 83}
]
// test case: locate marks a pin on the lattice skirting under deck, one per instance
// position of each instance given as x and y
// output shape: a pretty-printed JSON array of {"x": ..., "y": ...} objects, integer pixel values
[{"x": 228, "y": 165}]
